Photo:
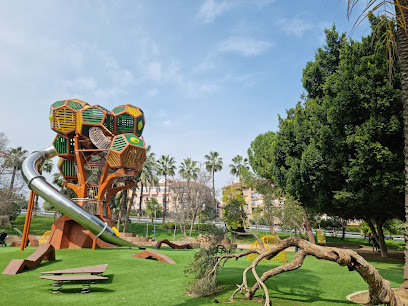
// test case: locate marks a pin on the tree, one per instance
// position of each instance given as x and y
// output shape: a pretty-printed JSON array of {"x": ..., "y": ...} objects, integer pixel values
[
  {"x": 213, "y": 164},
  {"x": 148, "y": 176},
  {"x": 233, "y": 212},
  {"x": 238, "y": 164},
  {"x": 261, "y": 154},
  {"x": 188, "y": 170},
  {"x": 167, "y": 167},
  {"x": 14, "y": 159},
  {"x": 401, "y": 10},
  {"x": 152, "y": 208}
]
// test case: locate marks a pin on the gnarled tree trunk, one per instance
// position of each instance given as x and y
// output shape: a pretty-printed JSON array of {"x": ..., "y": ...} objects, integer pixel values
[{"x": 379, "y": 289}]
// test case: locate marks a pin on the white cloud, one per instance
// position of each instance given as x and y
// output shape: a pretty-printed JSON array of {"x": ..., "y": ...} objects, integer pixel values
[
  {"x": 211, "y": 9},
  {"x": 294, "y": 26},
  {"x": 246, "y": 46}
]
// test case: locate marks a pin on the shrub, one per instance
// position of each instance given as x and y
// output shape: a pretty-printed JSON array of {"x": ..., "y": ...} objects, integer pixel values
[{"x": 169, "y": 225}]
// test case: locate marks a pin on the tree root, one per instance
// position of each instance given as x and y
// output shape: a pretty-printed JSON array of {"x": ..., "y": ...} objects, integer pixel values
[{"x": 379, "y": 288}]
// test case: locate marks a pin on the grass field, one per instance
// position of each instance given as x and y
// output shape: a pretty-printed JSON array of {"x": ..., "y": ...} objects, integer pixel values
[{"x": 134, "y": 281}]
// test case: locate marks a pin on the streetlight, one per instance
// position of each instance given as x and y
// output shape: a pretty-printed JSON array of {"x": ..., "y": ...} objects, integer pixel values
[{"x": 154, "y": 226}]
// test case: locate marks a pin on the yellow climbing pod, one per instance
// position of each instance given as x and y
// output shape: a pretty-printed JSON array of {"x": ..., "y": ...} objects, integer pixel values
[{"x": 268, "y": 241}]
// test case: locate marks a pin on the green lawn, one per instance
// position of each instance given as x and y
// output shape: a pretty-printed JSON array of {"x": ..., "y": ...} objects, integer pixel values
[{"x": 134, "y": 281}]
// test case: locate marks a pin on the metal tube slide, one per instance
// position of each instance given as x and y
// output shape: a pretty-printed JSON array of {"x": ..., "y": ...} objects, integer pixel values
[{"x": 39, "y": 185}]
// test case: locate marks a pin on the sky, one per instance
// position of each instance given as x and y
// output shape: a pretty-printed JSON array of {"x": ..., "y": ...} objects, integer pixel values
[{"x": 210, "y": 75}]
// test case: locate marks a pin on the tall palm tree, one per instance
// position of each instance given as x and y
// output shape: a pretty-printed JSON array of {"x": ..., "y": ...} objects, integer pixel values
[
  {"x": 14, "y": 159},
  {"x": 237, "y": 166},
  {"x": 189, "y": 171},
  {"x": 167, "y": 166},
  {"x": 213, "y": 164},
  {"x": 399, "y": 17},
  {"x": 148, "y": 176}
]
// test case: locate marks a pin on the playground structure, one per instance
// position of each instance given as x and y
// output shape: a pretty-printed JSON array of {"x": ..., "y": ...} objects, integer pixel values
[
  {"x": 268, "y": 241},
  {"x": 150, "y": 254},
  {"x": 101, "y": 153},
  {"x": 172, "y": 245}
]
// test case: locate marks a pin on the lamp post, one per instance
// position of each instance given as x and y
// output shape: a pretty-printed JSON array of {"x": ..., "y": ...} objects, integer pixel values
[{"x": 154, "y": 226}]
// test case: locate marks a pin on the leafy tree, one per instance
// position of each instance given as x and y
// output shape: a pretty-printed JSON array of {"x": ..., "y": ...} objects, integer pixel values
[
  {"x": 291, "y": 215},
  {"x": 166, "y": 167},
  {"x": 213, "y": 164},
  {"x": 390, "y": 38},
  {"x": 233, "y": 212},
  {"x": 261, "y": 154},
  {"x": 153, "y": 207}
]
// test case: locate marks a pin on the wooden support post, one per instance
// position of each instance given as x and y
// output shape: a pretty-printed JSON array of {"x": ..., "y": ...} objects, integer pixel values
[
  {"x": 27, "y": 222},
  {"x": 94, "y": 243}
]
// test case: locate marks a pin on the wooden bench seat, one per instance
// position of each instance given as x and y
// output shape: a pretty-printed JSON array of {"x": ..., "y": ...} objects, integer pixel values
[
  {"x": 97, "y": 269},
  {"x": 85, "y": 279}
]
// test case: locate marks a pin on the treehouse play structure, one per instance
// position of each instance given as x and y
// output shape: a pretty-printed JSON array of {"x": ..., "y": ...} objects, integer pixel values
[{"x": 101, "y": 153}]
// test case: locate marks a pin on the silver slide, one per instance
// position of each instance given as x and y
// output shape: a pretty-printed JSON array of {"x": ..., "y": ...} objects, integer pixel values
[{"x": 37, "y": 183}]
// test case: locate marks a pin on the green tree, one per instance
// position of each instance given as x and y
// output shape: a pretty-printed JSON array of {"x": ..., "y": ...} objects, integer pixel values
[
  {"x": 261, "y": 154},
  {"x": 14, "y": 159},
  {"x": 167, "y": 167},
  {"x": 153, "y": 208},
  {"x": 401, "y": 11},
  {"x": 213, "y": 164},
  {"x": 148, "y": 176},
  {"x": 233, "y": 212}
]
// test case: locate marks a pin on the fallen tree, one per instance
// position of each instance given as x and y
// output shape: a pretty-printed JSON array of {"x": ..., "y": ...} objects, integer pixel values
[{"x": 379, "y": 289}]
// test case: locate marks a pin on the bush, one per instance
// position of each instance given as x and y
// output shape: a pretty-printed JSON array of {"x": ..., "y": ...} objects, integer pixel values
[
  {"x": 169, "y": 225},
  {"x": 353, "y": 228},
  {"x": 133, "y": 214}
]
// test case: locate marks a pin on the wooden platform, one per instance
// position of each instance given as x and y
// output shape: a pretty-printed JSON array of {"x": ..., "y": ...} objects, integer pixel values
[
  {"x": 148, "y": 254},
  {"x": 98, "y": 269},
  {"x": 58, "y": 281},
  {"x": 44, "y": 252},
  {"x": 172, "y": 245}
]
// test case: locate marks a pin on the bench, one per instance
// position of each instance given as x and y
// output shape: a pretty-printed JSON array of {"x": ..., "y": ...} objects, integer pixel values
[
  {"x": 85, "y": 279},
  {"x": 93, "y": 270}
]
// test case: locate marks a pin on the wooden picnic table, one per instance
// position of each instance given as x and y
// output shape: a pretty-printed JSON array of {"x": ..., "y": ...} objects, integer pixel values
[{"x": 85, "y": 279}]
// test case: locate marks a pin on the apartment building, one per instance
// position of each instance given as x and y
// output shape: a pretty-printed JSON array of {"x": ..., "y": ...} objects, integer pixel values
[
  {"x": 176, "y": 194},
  {"x": 253, "y": 198}
]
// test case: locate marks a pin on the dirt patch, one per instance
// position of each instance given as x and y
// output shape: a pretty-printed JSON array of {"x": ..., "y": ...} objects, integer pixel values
[{"x": 362, "y": 298}]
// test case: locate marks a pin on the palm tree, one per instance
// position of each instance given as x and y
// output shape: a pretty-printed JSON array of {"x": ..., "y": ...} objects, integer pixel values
[
  {"x": 14, "y": 159},
  {"x": 166, "y": 165},
  {"x": 237, "y": 166},
  {"x": 148, "y": 176},
  {"x": 401, "y": 48},
  {"x": 47, "y": 166},
  {"x": 213, "y": 164},
  {"x": 189, "y": 171}
]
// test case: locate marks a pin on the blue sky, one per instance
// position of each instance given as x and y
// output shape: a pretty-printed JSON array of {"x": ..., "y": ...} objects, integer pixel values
[{"x": 209, "y": 75}]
